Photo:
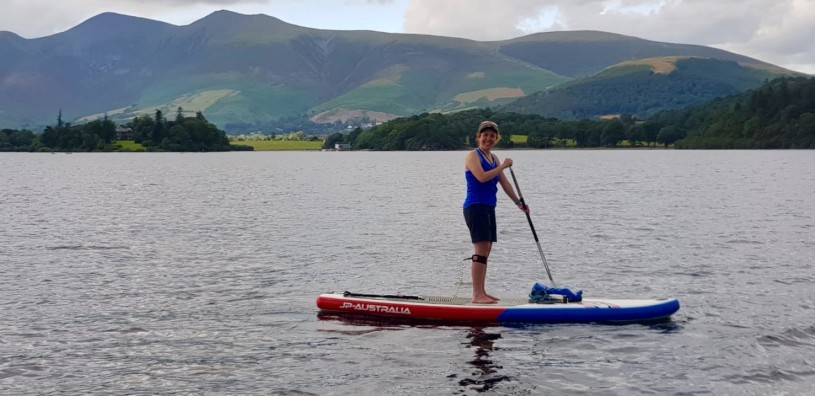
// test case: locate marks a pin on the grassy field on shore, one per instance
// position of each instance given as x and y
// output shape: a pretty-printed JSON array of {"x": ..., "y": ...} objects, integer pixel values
[
  {"x": 258, "y": 145},
  {"x": 279, "y": 145},
  {"x": 518, "y": 139},
  {"x": 129, "y": 145}
]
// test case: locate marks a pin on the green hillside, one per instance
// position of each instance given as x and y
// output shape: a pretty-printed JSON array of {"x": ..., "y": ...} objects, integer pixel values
[
  {"x": 780, "y": 114},
  {"x": 643, "y": 87}
]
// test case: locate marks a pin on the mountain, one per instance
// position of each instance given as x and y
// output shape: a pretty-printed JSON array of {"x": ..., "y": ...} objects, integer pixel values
[
  {"x": 256, "y": 69},
  {"x": 646, "y": 86},
  {"x": 584, "y": 53}
]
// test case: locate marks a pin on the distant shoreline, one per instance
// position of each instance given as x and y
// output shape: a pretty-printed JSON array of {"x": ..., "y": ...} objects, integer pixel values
[
  {"x": 294, "y": 145},
  {"x": 128, "y": 146}
]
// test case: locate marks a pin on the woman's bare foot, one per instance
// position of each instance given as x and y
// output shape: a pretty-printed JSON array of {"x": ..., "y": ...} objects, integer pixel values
[
  {"x": 483, "y": 300},
  {"x": 493, "y": 297}
]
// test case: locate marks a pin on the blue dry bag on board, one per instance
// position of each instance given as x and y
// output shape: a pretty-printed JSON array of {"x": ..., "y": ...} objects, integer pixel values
[{"x": 539, "y": 293}]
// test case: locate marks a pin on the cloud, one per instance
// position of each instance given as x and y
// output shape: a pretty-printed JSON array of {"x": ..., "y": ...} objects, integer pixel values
[
  {"x": 486, "y": 20},
  {"x": 785, "y": 34},
  {"x": 776, "y": 31}
]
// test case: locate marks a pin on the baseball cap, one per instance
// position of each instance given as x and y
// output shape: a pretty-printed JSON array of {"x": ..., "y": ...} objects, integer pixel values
[{"x": 488, "y": 125}]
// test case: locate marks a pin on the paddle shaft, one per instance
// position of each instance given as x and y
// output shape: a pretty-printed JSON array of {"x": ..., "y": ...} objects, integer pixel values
[
  {"x": 390, "y": 296},
  {"x": 532, "y": 226}
]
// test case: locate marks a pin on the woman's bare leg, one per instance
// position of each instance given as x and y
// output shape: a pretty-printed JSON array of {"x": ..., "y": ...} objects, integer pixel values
[{"x": 479, "y": 273}]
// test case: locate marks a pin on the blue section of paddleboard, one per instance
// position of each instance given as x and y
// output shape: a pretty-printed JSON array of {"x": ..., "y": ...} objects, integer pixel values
[{"x": 590, "y": 314}]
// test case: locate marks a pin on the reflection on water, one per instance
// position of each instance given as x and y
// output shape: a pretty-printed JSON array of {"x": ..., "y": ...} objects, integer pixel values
[
  {"x": 359, "y": 325},
  {"x": 485, "y": 376},
  {"x": 482, "y": 343}
]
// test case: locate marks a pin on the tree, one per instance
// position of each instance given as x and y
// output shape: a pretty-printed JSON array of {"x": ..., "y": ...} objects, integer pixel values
[
  {"x": 142, "y": 127},
  {"x": 651, "y": 130},
  {"x": 613, "y": 133},
  {"x": 538, "y": 140},
  {"x": 543, "y": 134},
  {"x": 296, "y": 136},
  {"x": 16, "y": 140},
  {"x": 668, "y": 135},
  {"x": 352, "y": 137},
  {"x": 594, "y": 135},
  {"x": 751, "y": 128},
  {"x": 333, "y": 139},
  {"x": 581, "y": 138},
  {"x": 157, "y": 133},
  {"x": 50, "y": 137},
  {"x": 805, "y": 131},
  {"x": 636, "y": 134},
  {"x": 104, "y": 130}
]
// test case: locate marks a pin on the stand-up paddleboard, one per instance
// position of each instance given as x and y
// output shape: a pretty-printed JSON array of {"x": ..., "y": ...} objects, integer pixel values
[
  {"x": 457, "y": 309},
  {"x": 545, "y": 305}
]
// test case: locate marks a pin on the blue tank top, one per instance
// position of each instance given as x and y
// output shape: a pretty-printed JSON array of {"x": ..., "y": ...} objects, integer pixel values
[{"x": 482, "y": 193}]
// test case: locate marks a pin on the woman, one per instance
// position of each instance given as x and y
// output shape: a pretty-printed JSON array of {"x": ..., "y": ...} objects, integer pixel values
[{"x": 483, "y": 172}]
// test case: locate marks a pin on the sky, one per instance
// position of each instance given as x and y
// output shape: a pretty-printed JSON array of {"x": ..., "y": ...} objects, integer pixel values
[{"x": 781, "y": 32}]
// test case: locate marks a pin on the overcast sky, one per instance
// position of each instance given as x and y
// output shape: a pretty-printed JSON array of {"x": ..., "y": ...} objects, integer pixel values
[{"x": 781, "y": 32}]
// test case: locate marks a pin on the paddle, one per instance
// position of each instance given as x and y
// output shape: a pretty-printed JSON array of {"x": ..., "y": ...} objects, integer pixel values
[
  {"x": 390, "y": 296},
  {"x": 535, "y": 234}
]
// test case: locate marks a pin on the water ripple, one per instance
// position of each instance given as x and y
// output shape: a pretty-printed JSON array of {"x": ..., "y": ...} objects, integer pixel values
[{"x": 159, "y": 273}]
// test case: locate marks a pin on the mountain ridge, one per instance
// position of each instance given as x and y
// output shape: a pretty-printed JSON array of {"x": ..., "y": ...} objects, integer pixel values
[{"x": 255, "y": 69}]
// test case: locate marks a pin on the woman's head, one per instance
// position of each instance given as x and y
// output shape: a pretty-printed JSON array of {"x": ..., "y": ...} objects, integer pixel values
[{"x": 487, "y": 130}]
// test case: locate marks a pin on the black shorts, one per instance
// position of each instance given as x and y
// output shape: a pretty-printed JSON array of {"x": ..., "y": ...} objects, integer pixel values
[{"x": 481, "y": 222}]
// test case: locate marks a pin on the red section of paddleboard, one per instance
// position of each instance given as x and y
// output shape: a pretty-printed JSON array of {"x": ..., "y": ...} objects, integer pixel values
[{"x": 413, "y": 309}]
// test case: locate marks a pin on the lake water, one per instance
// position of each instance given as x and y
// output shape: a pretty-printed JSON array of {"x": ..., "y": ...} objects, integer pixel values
[{"x": 151, "y": 273}]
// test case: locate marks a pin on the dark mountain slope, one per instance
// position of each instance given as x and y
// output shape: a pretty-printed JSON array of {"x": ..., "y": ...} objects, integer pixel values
[{"x": 643, "y": 88}]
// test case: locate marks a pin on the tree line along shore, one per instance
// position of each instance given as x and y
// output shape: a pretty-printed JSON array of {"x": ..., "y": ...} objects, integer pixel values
[{"x": 778, "y": 115}]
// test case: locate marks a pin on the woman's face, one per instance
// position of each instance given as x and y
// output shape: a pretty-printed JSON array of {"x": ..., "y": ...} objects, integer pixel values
[{"x": 487, "y": 139}]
